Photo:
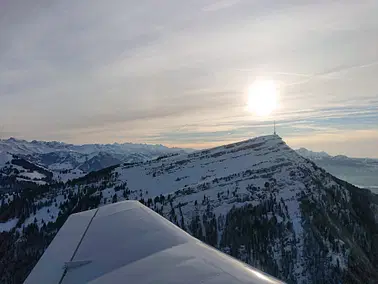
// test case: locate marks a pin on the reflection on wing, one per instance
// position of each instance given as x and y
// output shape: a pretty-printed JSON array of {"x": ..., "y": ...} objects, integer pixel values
[{"x": 127, "y": 242}]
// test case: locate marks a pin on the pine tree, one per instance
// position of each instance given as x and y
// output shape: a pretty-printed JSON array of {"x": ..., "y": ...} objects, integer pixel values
[{"x": 114, "y": 200}]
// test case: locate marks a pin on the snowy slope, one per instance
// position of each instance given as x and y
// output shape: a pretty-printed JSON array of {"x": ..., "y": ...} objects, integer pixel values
[
  {"x": 257, "y": 200},
  {"x": 178, "y": 172},
  {"x": 17, "y": 173},
  {"x": 214, "y": 175},
  {"x": 257, "y": 174},
  {"x": 69, "y": 161},
  {"x": 5, "y": 158},
  {"x": 361, "y": 172}
]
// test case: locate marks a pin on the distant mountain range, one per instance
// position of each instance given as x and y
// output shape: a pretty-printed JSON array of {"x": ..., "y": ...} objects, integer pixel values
[
  {"x": 64, "y": 161},
  {"x": 68, "y": 161},
  {"x": 312, "y": 155},
  {"x": 257, "y": 200},
  {"x": 362, "y": 172}
]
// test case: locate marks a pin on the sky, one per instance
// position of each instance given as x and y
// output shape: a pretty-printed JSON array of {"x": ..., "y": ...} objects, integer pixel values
[{"x": 177, "y": 72}]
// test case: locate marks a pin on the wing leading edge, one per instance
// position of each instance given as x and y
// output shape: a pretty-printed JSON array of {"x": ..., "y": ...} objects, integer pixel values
[{"x": 127, "y": 241}]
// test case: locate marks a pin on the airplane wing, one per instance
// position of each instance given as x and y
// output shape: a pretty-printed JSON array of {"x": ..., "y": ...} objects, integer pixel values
[{"x": 126, "y": 242}]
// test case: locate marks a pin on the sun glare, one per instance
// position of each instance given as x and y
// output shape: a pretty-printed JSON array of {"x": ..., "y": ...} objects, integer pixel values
[{"x": 262, "y": 97}]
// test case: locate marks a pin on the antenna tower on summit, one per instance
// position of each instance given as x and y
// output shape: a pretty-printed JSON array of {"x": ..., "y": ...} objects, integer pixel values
[{"x": 275, "y": 133}]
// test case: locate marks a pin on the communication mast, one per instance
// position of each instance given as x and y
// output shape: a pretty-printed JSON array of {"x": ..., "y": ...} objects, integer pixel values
[{"x": 274, "y": 128}]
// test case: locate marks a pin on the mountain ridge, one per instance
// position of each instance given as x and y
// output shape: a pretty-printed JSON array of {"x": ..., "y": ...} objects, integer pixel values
[
  {"x": 25, "y": 147},
  {"x": 322, "y": 154},
  {"x": 312, "y": 154},
  {"x": 69, "y": 161},
  {"x": 361, "y": 172},
  {"x": 257, "y": 200}
]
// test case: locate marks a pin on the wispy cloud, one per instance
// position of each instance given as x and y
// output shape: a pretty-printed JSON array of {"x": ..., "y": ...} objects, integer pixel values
[
  {"x": 177, "y": 72},
  {"x": 219, "y": 5}
]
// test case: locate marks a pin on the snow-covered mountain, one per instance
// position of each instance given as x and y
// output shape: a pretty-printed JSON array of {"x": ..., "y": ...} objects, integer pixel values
[
  {"x": 68, "y": 161},
  {"x": 257, "y": 200},
  {"x": 361, "y": 172},
  {"x": 311, "y": 154},
  {"x": 17, "y": 174},
  {"x": 23, "y": 147}
]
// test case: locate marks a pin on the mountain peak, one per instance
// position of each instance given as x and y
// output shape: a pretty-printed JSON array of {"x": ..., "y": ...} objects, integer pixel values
[
  {"x": 23, "y": 147},
  {"x": 271, "y": 139},
  {"x": 311, "y": 154},
  {"x": 12, "y": 139},
  {"x": 257, "y": 200}
]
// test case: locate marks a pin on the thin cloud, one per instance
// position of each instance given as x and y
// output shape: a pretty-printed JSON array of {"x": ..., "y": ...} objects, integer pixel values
[
  {"x": 219, "y": 5},
  {"x": 334, "y": 71},
  {"x": 156, "y": 70}
]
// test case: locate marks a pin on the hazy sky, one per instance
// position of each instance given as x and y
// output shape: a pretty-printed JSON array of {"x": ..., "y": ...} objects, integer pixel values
[{"x": 177, "y": 72}]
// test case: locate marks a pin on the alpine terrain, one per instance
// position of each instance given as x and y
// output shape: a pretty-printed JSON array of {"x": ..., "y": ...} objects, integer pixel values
[
  {"x": 358, "y": 171},
  {"x": 257, "y": 200},
  {"x": 24, "y": 164}
]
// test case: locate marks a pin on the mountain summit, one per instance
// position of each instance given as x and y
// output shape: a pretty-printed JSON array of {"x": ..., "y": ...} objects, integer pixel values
[
  {"x": 257, "y": 200},
  {"x": 311, "y": 154}
]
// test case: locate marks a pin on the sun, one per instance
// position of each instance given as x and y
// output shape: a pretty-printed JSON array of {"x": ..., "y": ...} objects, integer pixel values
[{"x": 262, "y": 97}]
